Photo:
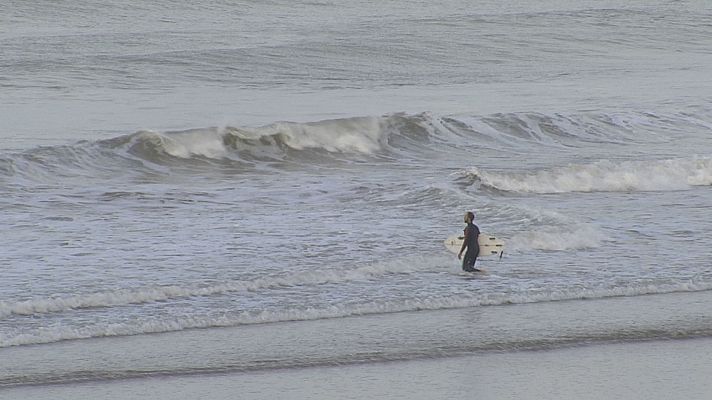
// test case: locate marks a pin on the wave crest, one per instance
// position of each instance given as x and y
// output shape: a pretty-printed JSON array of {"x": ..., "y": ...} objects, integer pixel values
[
  {"x": 280, "y": 141},
  {"x": 388, "y": 137}
]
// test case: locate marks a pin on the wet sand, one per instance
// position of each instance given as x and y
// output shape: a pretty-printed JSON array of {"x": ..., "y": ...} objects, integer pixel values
[{"x": 661, "y": 369}]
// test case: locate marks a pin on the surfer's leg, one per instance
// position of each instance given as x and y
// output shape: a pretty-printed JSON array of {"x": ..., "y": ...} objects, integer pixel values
[
  {"x": 474, "y": 260},
  {"x": 468, "y": 262}
]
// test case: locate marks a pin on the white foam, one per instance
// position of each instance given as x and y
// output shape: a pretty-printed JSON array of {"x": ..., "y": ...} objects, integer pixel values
[
  {"x": 606, "y": 176},
  {"x": 351, "y": 135},
  {"x": 160, "y": 293},
  {"x": 553, "y": 238},
  {"x": 60, "y": 332},
  {"x": 206, "y": 143}
]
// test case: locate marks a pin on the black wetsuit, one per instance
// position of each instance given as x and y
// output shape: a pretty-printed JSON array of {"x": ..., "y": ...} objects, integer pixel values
[{"x": 473, "y": 247}]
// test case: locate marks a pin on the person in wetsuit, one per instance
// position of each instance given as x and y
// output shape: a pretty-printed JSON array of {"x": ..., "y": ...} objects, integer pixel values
[{"x": 472, "y": 232}]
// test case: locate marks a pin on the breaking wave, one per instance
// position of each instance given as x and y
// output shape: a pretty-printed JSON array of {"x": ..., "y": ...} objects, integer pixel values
[
  {"x": 387, "y": 137},
  {"x": 365, "y": 135},
  {"x": 604, "y": 176}
]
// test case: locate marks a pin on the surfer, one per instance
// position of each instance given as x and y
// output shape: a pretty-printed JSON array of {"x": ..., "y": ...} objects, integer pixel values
[{"x": 470, "y": 243}]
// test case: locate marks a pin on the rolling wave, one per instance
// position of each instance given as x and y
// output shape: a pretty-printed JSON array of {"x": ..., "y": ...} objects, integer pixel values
[
  {"x": 388, "y": 137},
  {"x": 273, "y": 142},
  {"x": 604, "y": 176}
]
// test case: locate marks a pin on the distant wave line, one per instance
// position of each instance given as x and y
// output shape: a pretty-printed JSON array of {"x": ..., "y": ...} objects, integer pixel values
[
  {"x": 160, "y": 293},
  {"x": 383, "y": 137}
]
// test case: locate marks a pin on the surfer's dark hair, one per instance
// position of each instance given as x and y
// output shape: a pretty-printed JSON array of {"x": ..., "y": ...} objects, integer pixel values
[{"x": 471, "y": 215}]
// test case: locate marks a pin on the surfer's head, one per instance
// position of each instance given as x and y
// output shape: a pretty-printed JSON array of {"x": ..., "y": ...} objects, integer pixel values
[{"x": 469, "y": 217}]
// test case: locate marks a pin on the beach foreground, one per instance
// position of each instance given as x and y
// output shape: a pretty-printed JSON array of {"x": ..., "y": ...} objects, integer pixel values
[
  {"x": 661, "y": 369},
  {"x": 642, "y": 347}
]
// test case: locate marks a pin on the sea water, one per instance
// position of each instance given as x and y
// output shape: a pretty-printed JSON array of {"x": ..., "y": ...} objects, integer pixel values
[{"x": 267, "y": 185}]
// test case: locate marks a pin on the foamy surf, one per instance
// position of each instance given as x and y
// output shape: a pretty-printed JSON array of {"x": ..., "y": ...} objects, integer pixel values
[
  {"x": 604, "y": 176},
  {"x": 160, "y": 293},
  {"x": 227, "y": 319},
  {"x": 574, "y": 237}
]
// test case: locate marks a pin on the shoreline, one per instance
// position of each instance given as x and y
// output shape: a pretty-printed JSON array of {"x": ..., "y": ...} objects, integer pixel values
[
  {"x": 360, "y": 341},
  {"x": 655, "y": 369}
]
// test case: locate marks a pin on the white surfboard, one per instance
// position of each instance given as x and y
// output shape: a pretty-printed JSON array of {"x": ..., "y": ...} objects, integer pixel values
[{"x": 489, "y": 244}]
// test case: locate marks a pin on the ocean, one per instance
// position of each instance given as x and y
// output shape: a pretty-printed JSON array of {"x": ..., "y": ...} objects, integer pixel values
[{"x": 259, "y": 188}]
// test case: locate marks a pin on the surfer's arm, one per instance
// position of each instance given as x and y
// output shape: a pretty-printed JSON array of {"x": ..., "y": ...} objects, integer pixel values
[{"x": 464, "y": 243}]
